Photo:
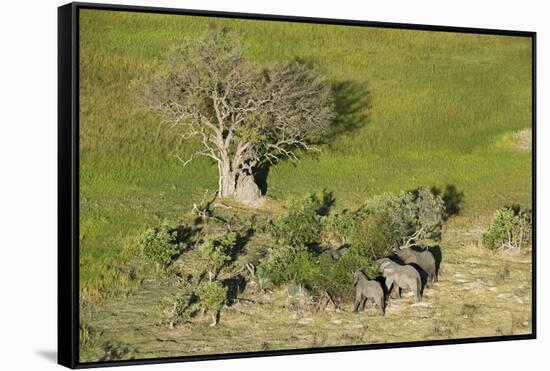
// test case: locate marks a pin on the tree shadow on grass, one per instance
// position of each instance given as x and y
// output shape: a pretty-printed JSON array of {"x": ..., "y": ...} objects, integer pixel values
[
  {"x": 184, "y": 236},
  {"x": 114, "y": 351},
  {"x": 452, "y": 198},
  {"x": 235, "y": 286},
  {"x": 240, "y": 244},
  {"x": 327, "y": 201},
  {"x": 184, "y": 233},
  {"x": 352, "y": 106}
]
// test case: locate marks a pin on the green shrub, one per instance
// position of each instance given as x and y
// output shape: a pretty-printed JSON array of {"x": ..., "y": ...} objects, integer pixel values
[
  {"x": 262, "y": 279},
  {"x": 372, "y": 232},
  {"x": 316, "y": 272},
  {"x": 385, "y": 222},
  {"x": 179, "y": 309},
  {"x": 336, "y": 276},
  {"x": 510, "y": 229},
  {"x": 160, "y": 245},
  {"x": 216, "y": 252},
  {"x": 211, "y": 298},
  {"x": 289, "y": 264},
  {"x": 374, "y": 235},
  {"x": 337, "y": 227},
  {"x": 302, "y": 223},
  {"x": 418, "y": 211}
]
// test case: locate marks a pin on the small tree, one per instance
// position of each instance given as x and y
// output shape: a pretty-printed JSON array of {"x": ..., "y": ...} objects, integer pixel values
[
  {"x": 337, "y": 228},
  {"x": 160, "y": 244},
  {"x": 289, "y": 264},
  {"x": 302, "y": 223},
  {"x": 510, "y": 229},
  {"x": 374, "y": 235},
  {"x": 212, "y": 296},
  {"x": 178, "y": 309},
  {"x": 416, "y": 214},
  {"x": 216, "y": 252},
  {"x": 242, "y": 114}
]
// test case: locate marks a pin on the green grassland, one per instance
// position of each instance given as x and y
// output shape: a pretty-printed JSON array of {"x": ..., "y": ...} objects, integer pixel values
[{"x": 419, "y": 109}]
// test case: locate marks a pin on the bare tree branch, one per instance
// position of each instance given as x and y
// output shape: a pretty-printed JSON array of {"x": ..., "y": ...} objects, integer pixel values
[
  {"x": 411, "y": 240},
  {"x": 240, "y": 113}
]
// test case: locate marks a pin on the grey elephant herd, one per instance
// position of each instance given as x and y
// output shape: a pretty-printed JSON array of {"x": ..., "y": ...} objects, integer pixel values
[{"x": 406, "y": 274}]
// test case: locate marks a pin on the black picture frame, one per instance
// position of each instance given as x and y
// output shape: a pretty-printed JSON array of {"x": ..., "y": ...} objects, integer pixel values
[{"x": 68, "y": 182}]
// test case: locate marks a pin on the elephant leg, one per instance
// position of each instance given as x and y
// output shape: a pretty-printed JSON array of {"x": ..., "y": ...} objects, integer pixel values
[
  {"x": 357, "y": 303},
  {"x": 390, "y": 285},
  {"x": 380, "y": 303},
  {"x": 418, "y": 293},
  {"x": 363, "y": 302},
  {"x": 395, "y": 292}
]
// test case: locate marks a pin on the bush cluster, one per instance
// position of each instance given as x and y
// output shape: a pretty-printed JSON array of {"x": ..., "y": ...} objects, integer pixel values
[
  {"x": 370, "y": 233},
  {"x": 299, "y": 261},
  {"x": 510, "y": 228},
  {"x": 336, "y": 276},
  {"x": 302, "y": 223},
  {"x": 208, "y": 297},
  {"x": 374, "y": 235},
  {"x": 216, "y": 252},
  {"x": 337, "y": 228},
  {"x": 211, "y": 296},
  {"x": 180, "y": 309},
  {"x": 160, "y": 244},
  {"x": 388, "y": 219},
  {"x": 411, "y": 211},
  {"x": 318, "y": 272},
  {"x": 289, "y": 264}
]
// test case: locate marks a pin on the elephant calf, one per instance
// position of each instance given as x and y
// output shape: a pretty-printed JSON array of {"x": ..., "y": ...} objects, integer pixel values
[
  {"x": 366, "y": 289},
  {"x": 402, "y": 276},
  {"x": 337, "y": 253},
  {"x": 424, "y": 259}
]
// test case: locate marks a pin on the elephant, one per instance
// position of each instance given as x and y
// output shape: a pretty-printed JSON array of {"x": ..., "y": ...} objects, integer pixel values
[
  {"x": 337, "y": 253},
  {"x": 366, "y": 289},
  {"x": 402, "y": 276},
  {"x": 423, "y": 259}
]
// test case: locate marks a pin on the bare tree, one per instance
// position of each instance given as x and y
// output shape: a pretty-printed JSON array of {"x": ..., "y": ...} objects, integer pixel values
[{"x": 242, "y": 114}]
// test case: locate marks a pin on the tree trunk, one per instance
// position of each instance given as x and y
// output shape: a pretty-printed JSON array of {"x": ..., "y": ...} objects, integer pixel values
[
  {"x": 226, "y": 184},
  {"x": 240, "y": 185},
  {"x": 215, "y": 318},
  {"x": 247, "y": 191}
]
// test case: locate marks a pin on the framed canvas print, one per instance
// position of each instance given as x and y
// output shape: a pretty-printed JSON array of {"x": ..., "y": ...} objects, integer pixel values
[{"x": 237, "y": 185}]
